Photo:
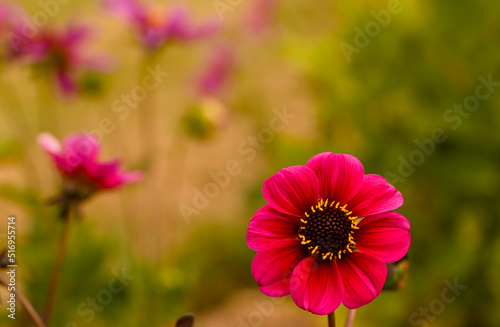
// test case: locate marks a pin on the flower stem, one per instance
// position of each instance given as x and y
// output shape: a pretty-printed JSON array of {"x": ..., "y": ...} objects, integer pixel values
[
  {"x": 350, "y": 318},
  {"x": 25, "y": 302},
  {"x": 56, "y": 270},
  {"x": 331, "y": 319},
  {"x": 149, "y": 120}
]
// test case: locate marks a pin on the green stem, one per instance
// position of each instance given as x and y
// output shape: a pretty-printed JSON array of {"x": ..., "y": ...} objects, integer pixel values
[
  {"x": 350, "y": 318},
  {"x": 331, "y": 319},
  {"x": 147, "y": 112},
  {"x": 25, "y": 302},
  {"x": 56, "y": 270},
  {"x": 22, "y": 127}
]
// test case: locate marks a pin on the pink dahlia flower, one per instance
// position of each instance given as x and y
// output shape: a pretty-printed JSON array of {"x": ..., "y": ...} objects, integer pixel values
[
  {"x": 155, "y": 25},
  {"x": 79, "y": 167},
  {"x": 326, "y": 233}
]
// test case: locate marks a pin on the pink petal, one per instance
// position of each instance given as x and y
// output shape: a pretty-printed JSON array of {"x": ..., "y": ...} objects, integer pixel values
[
  {"x": 273, "y": 266},
  {"x": 292, "y": 190},
  {"x": 261, "y": 14},
  {"x": 49, "y": 143},
  {"x": 75, "y": 34},
  {"x": 130, "y": 10},
  {"x": 269, "y": 225},
  {"x": 36, "y": 48},
  {"x": 120, "y": 178},
  {"x": 79, "y": 150},
  {"x": 316, "y": 286},
  {"x": 362, "y": 277},
  {"x": 376, "y": 195},
  {"x": 52, "y": 146},
  {"x": 82, "y": 145},
  {"x": 205, "y": 29},
  {"x": 217, "y": 72},
  {"x": 385, "y": 236},
  {"x": 98, "y": 171},
  {"x": 340, "y": 175},
  {"x": 180, "y": 26},
  {"x": 5, "y": 12},
  {"x": 154, "y": 38},
  {"x": 100, "y": 63},
  {"x": 178, "y": 23},
  {"x": 65, "y": 82}
]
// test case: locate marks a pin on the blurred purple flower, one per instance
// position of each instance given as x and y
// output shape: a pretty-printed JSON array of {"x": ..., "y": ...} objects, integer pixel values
[
  {"x": 215, "y": 75},
  {"x": 59, "y": 53},
  {"x": 156, "y": 25},
  {"x": 79, "y": 167}
]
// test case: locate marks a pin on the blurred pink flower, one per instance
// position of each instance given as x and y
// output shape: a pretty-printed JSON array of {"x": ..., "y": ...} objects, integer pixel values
[
  {"x": 326, "y": 233},
  {"x": 7, "y": 16},
  {"x": 261, "y": 14},
  {"x": 4, "y": 14},
  {"x": 208, "y": 112},
  {"x": 156, "y": 25},
  {"x": 79, "y": 167},
  {"x": 217, "y": 72},
  {"x": 60, "y": 53}
]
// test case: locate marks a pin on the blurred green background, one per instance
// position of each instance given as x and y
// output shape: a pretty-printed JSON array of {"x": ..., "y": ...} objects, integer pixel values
[{"x": 379, "y": 103}]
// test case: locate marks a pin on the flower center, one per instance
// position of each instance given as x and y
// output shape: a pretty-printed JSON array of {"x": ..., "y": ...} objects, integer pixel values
[{"x": 327, "y": 230}]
